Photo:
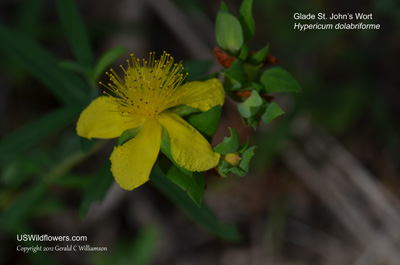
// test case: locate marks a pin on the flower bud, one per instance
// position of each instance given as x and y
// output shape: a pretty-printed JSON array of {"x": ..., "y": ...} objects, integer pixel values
[{"x": 232, "y": 158}]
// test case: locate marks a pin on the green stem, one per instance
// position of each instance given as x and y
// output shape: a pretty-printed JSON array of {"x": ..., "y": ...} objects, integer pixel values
[{"x": 70, "y": 162}]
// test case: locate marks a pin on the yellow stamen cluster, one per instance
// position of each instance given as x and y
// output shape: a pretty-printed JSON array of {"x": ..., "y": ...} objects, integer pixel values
[{"x": 147, "y": 85}]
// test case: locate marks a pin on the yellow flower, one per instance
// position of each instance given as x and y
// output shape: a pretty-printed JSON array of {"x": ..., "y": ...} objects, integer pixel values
[{"x": 144, "y": 99}]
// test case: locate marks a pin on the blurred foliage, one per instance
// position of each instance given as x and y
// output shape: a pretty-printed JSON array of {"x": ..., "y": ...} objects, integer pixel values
[
  {"x": 138, "y": 251},
  {"x": 349, "y": 83}
]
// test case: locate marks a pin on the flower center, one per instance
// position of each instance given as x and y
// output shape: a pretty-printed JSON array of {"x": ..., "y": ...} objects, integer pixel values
[{"x": 147, "y": 85}]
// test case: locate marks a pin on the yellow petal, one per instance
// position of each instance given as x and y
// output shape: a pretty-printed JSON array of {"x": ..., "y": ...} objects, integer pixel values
[
  {"x": 102, "y": 120},
  {"x": 197, "y": 94},
  {"x": 188, "y": 147},
  {"x": 132, "y": 162}
]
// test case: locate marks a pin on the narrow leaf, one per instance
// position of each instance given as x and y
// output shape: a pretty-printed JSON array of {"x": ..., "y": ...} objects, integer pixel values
[
  {"x": 204, "y": 216},
  {"x": 73, "y": 181},
  {"x": 244, "y": 52},
  {"x": 192, "y": 184},
  {"x": 106, "y": 60},
  {"x": 65, "y": 85},
  {"x": 246, "y": 19},
  {"x": 97, "y": 188},
  {"x": 35, "y": 131},
  {"x": 76, "y": 31},
  {"x": 74, "y": 67},
  {"x": 244, "y": 147}
]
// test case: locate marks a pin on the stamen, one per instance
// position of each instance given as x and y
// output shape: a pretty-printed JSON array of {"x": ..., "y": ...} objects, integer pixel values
[{"x": 147, "y": 85}]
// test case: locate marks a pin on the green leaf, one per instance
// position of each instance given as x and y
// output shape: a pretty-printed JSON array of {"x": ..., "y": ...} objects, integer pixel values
[
  {"x": 128, "y": 134},
  {"x": 277, "y": 79},
  {"x": 246, "y": 157},
  {"x": 65, "y": 85},
  {"x": 106, "y": 60},
  {"x": 73, "y": 181},
  {"x": 244, "y": 52},
  {"x": 252, "y": 72},
  {"x": 207, "y": 122},
  {"x": 75, "y": 30},
  {"x": 234, "y": 77},
  {"x": 97, "y": 188},
  {"x": 244, "y": 147},
  {"x": 254, "y": 121},
  {"x": 258, "y": 57},
  {"x": 224, "y": 7},
  {"x": 196, "y": 68},
  {"x": 35, "y": 131},
  {"x": 251, "y": 106},
  {"x": 258, "y": 87},
  {"x": 74, "y": 67},
  {"x": 236, "y": 72},
  {"x": 204, "y": 216},
  {"x": 273, "y": 111},
  {"x": 228, "y": 32},
  {"x": 229, "y": 144},
  {"x": 246, "y": 19},
  {"x": 224, "y": 168},
  {"x": 192, "y": 184},
  {"x": 183, "y": 110},
  {"x": 231, "y": 84}
]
